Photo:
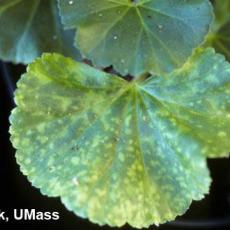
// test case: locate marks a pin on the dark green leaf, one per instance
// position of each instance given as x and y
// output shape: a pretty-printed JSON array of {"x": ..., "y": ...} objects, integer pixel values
[
  {"x": 29, "y": 28},
  {"x": 138, "y": 36}
]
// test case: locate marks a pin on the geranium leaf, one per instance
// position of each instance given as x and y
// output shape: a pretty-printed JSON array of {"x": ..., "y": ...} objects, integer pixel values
[
  {"x": 118, "y": 151},
  {"x": 219, "y": 38},
  {"x": 198, "y": 96},
  {"x": 29, "y": 28},
  {"x": 137, "y": 36}
]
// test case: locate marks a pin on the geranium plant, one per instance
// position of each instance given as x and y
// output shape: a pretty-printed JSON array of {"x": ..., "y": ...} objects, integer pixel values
[{"x": 122, "y": 133}]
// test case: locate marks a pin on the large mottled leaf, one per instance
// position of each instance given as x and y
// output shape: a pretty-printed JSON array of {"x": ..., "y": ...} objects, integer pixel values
[
  {"x": 219, "y": 38},
  {"x": 29, "y": 28},
  {"x": 137, "y": 36},
  {"x": 118, "y": 151}
]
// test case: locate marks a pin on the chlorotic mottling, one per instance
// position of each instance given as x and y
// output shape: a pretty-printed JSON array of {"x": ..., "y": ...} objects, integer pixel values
[
  {"x": 133, "y": 36},
  {"x": 29, "y": 28},
  {"x": 121, "y": 152}
]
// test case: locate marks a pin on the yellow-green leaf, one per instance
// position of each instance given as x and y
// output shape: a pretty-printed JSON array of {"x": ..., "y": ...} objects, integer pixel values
[{"x": 121, "y": 152}]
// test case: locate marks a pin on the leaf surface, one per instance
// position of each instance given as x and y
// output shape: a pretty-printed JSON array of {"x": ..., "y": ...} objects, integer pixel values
[
  {"x": 118, "y": 151},
  {"x": 29, "y": 28},
  {"x": 137, "y": 36}
]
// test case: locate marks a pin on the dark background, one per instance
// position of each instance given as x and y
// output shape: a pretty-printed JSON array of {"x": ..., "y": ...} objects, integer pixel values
[{"x": 16, "y": 192}]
